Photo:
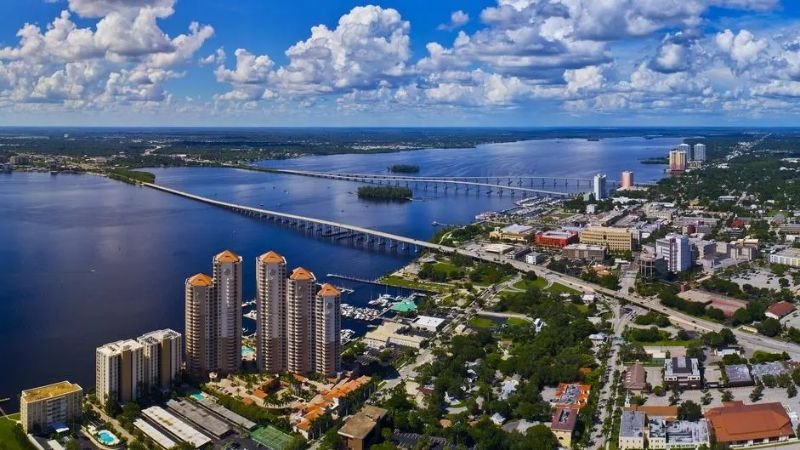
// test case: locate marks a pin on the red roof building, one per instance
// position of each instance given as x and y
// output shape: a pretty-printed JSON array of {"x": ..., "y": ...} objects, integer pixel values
[
  {"x": 735, "y": 423},
  {"x": 780, "y": 310},
  {"x": 556, "y": 239}
]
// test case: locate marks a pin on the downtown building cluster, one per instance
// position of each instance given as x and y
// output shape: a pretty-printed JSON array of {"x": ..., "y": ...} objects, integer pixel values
[
  {"x": 685, "y": 156},
  {"x": 297, "y": 322}
]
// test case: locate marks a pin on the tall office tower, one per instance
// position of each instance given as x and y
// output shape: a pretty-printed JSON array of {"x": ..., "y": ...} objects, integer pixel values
[
  {"x": 677, "y": 160},
  {"x": 600, "y": 190},
  {"x": 200, "y": 322},
  {"x": 228, "y": 302},
  {"x": 699, "y": 152},
  {"x": 686, "y": 148},
  {"x": 162, "y": 351},
  {"x": 677, "y": 252},
  {"x": 299, "y": 321},
  {"x": 327, "y": 324},
  {"x": 627, "y": 179},
  {"x": 271, "y": 312},
  {"x": 119, "y": 371}
]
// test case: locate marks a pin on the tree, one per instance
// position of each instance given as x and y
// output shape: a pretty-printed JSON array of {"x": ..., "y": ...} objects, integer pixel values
[
  {"x": 690, "y": 411},
  {"x": 791, "y": 391},
  {"x": 727, "y": 395},
  {"x": 769, "y": 327},
  {"x": 757, "y": 393},
  {"x": 706, "y": 399},
  {"x": 73, "y": 445},
  {"x": 541, "y": 438}
]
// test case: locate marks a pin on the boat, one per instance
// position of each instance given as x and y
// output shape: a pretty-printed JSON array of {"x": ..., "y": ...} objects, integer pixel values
[
  {"x": 346, "y": 335},
  {"x": 252, "y": 315},
  {"x": 382, "y": 300},
  {"x": 435, "y": 223}
]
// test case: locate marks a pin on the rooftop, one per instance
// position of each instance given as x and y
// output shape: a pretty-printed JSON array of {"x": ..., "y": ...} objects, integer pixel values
[
  {"x": 175, "y": 426},
  {"x": 301, "y": 274},
  {"x": 631, "y": 424},
  {"x": 362, "y": 423},
  {"x": 564, "y": 418},
  {"x": 328, "y": 290},
  {"x": 200, "y": 280},
  {"x": 635, "y": 377},
  {"x": 682, "y": 366},
  {"x": 271, "y": 258},
  {"x": 199, "y": 416},
  {"x": 572, "y": 394},
  {"x": 428, "y": 321},
  {"x": 781, "y": 308},
  {"x": 738, "y": 373},
  {"x": 518, "y": 229},
  {"x": 656, "y": 411},
  {"x": 115, "y": 348},
  {"x": 50, "y": 391},
  {"x": 735, "y": 422},
  {"x": 227, "y": 256}
]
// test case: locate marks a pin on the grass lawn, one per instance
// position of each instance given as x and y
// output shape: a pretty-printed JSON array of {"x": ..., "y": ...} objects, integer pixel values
[
  {"x": 559, "y": 288},
  {"x": 481, "y": 323},
  {"x": 524, "y": 285},
  {"x": 517, "y": 322},
  {"x": 414, "y": 284},
  {"x": 7, "y": 437}
]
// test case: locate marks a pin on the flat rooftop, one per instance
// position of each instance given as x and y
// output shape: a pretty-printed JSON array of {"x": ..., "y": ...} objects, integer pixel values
[
  {"x": 738, "y": 373},
  {"x": 200, "y": 417},
  {"x": 428, "y": 321},
  {"x": 224, "y": 412},
  {"x": 363, "y": 422},
  {"x": 176, "y": 426},
  {"x": 517, "y": 229},
  {"x": 158, "y": 437},
  {"x": 50, "y": 391},
  {"x": 631, "y": 424}
]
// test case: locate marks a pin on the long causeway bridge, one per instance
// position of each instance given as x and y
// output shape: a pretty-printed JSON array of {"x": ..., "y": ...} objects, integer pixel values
[
  {"x": 527, "y": 185},
  {"x": 323, "y": 229}
]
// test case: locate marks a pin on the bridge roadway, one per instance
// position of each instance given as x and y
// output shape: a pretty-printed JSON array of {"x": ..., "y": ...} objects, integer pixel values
[
  {"x": 446, "y": 181},
  {"x": 749, "y": 340}
]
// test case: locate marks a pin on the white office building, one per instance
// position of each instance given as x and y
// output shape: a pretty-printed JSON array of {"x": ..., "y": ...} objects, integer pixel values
[
  {"x": 600, "y": 189},
  {"x": 676, "y": 250}
]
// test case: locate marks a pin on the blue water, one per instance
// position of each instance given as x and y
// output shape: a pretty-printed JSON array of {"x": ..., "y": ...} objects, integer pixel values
[
  {"x": 85, "y": 260},
  {"x": 106, "y": 437}
]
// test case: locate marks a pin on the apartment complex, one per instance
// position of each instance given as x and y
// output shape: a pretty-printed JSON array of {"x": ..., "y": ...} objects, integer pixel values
[
  {"x": 50, "y": 406},
  {"x": 298, "y": 324},
  {"x": 271, "y": 313},
  {"x": 162, "y": 351},
  {"x": 615, "y": 239},
  {"x": 599, "y": 186},
  {"x": 213, "y": 317},
  {"x": 125, "y": 369},
  {"x": 678, "y": 160},
  {"x": 699, "y": 152},
  {"x": 119, "y": 371},
  {"x": 627, "y": 180}
]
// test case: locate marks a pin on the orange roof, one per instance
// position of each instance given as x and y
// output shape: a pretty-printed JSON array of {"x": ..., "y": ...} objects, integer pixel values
[
  {"x": 669, "y": 412},
  {"x": 301, "y": 274},
  {"x": 227, "y": 257},
  {"x": 260, "y": 394},
  {"x": 271, "y": 258},
  {"x": 737, "y": 422},
  {"x": 568, "y": 394},
  {"x": 247, "y": 401},
  {"x": 200, "y": 279},
  {"x": 328, "y": 290}
]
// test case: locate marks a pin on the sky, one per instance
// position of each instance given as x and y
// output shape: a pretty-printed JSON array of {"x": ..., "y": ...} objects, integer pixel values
[{"x": 532, "y": 63}]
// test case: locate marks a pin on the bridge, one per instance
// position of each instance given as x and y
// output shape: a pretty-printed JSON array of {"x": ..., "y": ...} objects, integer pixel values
[
  {"x": 324, "y": 229},
  {"x": 512, "y": 184}
]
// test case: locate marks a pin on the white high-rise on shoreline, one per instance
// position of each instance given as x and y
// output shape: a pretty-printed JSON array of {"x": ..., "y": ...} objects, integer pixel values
[
  {"x": 213, "y": 318},
  {"x": 686, "y": 148},
  {"x": 699, "y": 152},
  {"x": 600, "y": 188},
  {"x": 119, "y": 371},
  {"x": 297, "y": 323},
  {"x": 271, "y": 312},
  {"x": 43, "y": 407},
  {"x": 126, "y": 368}
]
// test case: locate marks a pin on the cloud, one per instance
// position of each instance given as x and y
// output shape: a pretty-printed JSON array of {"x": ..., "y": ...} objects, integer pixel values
[
  {"x": 457, "y": 20},
  {"x": 743, "y": 48},
  {"x": 127, "y": 57}
]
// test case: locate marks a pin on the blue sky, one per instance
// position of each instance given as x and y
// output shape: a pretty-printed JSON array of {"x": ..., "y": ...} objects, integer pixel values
[{"x": 399, "y": 62}]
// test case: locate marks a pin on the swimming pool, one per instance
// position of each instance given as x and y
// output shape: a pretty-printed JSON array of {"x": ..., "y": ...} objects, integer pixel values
[
  {"x": 198, "y": 396},
  {"x": 247, "y": 351},
  {"x": 107, "y": 437}
]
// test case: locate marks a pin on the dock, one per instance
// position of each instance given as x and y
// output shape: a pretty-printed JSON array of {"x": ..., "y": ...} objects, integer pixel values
[{"x": 376, "y": 282}]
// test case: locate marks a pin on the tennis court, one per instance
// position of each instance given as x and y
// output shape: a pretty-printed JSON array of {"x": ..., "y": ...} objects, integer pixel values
[{"x": 272, "y": 438}]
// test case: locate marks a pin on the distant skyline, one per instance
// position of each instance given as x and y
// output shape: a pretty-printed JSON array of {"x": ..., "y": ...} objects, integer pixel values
[{"x": 523, "y": 63}]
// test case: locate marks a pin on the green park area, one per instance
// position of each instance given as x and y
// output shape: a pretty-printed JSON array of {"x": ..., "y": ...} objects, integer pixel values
[{"x": 12, "y": 438}]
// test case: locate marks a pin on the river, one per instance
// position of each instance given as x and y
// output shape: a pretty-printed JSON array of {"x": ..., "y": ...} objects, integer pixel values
[{"x": 85, "y": 260}]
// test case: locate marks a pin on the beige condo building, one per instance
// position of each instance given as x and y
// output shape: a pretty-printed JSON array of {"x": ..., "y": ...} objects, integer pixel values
[
  {"x": 201, "y": 348},
  {"x": 119, "y": 371},
  {"x": 616, "y": 239},
  {"x": 42, "y": 407},
  {"x": 327, "y": 325},
  {"x": 271, "y": 302},
  {"x": 162, "y": 351},
  {"x": 228, "y": 299},
  {"x": 299, "y": 321}
]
